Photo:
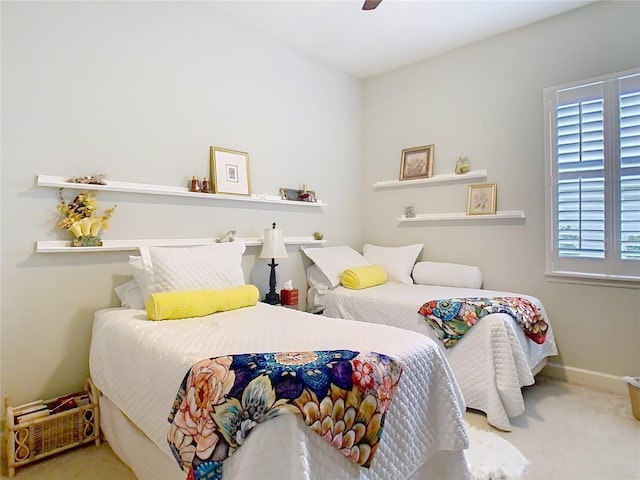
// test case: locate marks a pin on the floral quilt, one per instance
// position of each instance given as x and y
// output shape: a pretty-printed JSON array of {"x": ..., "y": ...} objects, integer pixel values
[
  {"x": 453, "y": 317},
  {"x": 341, "y": 395}
]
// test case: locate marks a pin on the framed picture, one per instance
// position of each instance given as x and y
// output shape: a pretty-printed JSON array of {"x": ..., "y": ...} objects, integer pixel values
[
  {"x": 297, "y": 195},
  {"x": 482, "y": 199},
  {"x": 416, "y": 162},
  {"x": 229, "y": 171}
]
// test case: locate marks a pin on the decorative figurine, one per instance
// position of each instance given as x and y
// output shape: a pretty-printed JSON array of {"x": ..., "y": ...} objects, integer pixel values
[
  {"x": 89, "y": 180},
  {"x": 304, "y": 195},
  {"x": 227, "y": 237},
  {"x": 205, "y": 185},
  {"x": 195, "y": 184},
  {"x": 409, "y": 212},
  {"x": 462, "y": 165}
]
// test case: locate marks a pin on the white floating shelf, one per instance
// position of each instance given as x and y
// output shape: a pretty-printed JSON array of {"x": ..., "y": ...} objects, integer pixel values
[
  {"x": 151, "y": 189},
  {"x": 437, "y": 217},
  {"x": 444, "y": 178},
  {"x": 62, "y": 246}
]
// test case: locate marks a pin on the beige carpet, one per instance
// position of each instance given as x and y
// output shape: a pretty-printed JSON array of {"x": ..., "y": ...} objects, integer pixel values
[
  {"x": 491, "y": 457},
  {"x": 568, "y": 432}
]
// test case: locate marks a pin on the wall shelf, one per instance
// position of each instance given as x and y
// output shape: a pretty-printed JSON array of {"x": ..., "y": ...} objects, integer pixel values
[
  {"x": 444, "y": 178},
  {"x": 151, "y": 189},
  {"x": 437, "y": 217},
  {"x": 62, "y": 246}
]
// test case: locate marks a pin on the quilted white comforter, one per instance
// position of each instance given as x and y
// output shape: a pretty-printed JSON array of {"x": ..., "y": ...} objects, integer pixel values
[
  {"x": 139, "y": 365},
  {"x": 491, "y": 363}
]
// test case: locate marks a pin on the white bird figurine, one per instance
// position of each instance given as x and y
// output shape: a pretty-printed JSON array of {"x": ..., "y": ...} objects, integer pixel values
[{"x": 227, "y": 237}]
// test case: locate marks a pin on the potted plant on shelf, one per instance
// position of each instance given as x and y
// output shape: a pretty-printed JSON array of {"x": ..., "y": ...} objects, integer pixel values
[{"x": 79, "y": 218}]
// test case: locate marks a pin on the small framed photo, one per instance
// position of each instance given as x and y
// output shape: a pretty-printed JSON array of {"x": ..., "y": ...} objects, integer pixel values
[
  {"x": 482, "y": 199},
  {"x": 298, "y": 195},
  {"x": 229, "y": 171},
  {"x": 416, "y": 162}
]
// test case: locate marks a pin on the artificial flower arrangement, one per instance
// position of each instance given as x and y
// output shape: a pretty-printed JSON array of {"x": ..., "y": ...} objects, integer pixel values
[{"x": 80, "y": 219}]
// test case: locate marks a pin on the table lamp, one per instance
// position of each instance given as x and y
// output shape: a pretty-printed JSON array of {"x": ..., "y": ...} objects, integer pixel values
[{"x": 273, "y": 247}]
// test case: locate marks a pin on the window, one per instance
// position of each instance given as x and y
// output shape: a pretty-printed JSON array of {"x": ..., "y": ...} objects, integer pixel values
[{"x": 592, "y": 139}]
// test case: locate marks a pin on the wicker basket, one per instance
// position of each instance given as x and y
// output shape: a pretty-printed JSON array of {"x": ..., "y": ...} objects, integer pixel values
[
  {"x": 634, "y": 396},
  {"x": 38, "y": 438}
]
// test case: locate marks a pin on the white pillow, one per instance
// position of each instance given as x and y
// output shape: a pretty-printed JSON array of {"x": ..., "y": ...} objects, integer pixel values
[
  {"x": 335, "y": 260},
  {"x": 397, "y": 261},
  {"x": 316, "y": 279},
  {"x": 447, "y": 274},
  {"x": 141, "y": 276},
  {"x": 130, "y": 294},
  {"x": 170, "y": 269}
]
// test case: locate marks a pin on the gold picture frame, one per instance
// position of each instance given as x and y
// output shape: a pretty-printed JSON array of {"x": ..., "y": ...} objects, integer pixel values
[
  {"x": 416, "y": 162},
  {"x": 229, "y": 171},
  {"x": 482, "y": 199}
]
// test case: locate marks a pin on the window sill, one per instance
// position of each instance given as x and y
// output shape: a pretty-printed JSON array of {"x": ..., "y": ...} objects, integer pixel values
[{"x": 593, "y": 279}]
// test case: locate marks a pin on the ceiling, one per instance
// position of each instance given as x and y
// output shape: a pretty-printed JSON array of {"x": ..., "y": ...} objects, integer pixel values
[{"x": 397, "y": 33}]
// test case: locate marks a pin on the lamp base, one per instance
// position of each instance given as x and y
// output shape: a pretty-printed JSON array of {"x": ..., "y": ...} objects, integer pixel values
[
  {"x": 272, "y": 299},
  {"x": 272, "y": 296}
]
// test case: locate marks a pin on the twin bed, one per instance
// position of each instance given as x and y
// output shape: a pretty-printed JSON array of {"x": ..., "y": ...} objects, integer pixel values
[
  {"x": 491, "y": 362},
  {"x": 144, "y": 368}
]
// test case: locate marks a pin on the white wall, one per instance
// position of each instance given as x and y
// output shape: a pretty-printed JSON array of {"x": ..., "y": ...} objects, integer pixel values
[
  {"x": 485, "y": 101},
  {"x": 139, "y": 91}
]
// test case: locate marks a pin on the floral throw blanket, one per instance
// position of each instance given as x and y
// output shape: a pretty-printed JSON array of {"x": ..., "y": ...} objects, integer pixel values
[
  {"x": 453, "y": 317},
  {"x": 341, "y": 395}
]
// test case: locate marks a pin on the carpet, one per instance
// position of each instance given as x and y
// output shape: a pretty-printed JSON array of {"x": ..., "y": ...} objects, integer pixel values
[{"x": 491, "y": 457}]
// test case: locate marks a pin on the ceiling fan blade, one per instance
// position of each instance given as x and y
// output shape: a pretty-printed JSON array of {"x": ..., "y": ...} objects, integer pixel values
[{"x": 370, "y": 4}]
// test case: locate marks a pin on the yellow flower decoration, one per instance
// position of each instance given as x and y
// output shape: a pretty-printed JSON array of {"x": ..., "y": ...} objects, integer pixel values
[{"x": 79, "y": 218}]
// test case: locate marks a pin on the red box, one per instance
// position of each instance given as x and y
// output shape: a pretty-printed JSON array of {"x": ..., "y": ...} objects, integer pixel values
[{"x": 289, "y": 297}]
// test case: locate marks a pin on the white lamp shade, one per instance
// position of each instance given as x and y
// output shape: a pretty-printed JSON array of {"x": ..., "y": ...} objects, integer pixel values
[{"x": 273, "y": 244}]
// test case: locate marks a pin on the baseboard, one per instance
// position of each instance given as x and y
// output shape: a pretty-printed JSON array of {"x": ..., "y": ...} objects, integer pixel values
[{"x": 586, "y": 378}]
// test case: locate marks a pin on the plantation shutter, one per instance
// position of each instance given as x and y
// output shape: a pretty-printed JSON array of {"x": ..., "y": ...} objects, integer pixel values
[
  {"x": 593, "y": 151},
  {"x": 630, "y": 168},
  {"x": 580, "y": 154}
]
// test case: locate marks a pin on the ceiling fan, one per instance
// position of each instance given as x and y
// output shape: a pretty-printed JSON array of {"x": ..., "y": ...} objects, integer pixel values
[{"x": 370, "y": 4}]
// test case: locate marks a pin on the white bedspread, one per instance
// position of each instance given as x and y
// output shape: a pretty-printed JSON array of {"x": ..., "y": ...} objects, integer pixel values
[
  {"x": 139, "y": 365},
  {"x": 491, "y": 363}
]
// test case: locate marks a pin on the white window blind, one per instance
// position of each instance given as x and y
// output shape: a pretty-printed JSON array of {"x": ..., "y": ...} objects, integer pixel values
[
  {"x": 580, "y": 153},
  {"x": 630, "y": 168},
  {"x": 593, "y": 158}
]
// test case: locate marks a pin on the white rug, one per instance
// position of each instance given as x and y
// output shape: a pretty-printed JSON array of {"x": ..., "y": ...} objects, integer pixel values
[{"x": 491, "y": 457}]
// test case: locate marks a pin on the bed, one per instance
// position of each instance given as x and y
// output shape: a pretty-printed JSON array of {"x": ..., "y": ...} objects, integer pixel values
[
  {"x": 138, "y": 366},
  {"x": 492, "y": 361}
]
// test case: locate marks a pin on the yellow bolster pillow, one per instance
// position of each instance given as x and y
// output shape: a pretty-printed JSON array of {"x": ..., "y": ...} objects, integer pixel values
[
  {"x": 363, "y": 277},
  {"x": 197, "y": 303}
]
